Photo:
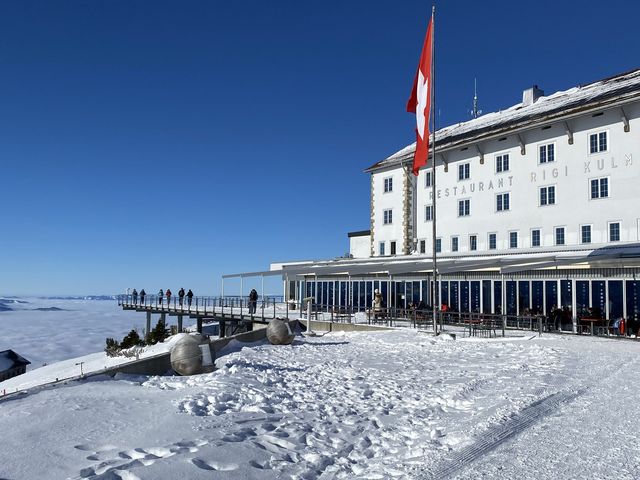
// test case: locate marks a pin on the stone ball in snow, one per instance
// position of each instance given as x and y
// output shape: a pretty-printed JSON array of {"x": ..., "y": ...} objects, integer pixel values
[
  {"x": 192, "y": 355},
  {"x": 279, "y": 332}
]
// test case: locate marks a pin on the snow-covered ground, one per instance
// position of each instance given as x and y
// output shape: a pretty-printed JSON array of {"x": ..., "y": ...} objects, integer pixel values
[{"x": 377, "y": 405}]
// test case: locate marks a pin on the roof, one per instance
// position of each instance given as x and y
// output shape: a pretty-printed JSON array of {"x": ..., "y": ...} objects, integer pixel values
[
  {"x": 10, "y": 359},
  {"x": 602, "y": 93},
  {"x": 506, "y": 262},
  {"x": 361, "y": 233}
]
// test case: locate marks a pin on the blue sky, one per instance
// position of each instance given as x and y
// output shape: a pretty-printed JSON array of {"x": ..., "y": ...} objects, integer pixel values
[{"x": 162, "y": 144}]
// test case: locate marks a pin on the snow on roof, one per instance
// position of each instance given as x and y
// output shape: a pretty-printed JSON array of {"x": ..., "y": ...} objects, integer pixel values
[
  {"x": 10, "y": 359},
  {"x": 559, "y": 104}
]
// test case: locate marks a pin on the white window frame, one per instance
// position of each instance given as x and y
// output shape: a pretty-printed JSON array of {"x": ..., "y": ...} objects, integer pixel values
[
  {"x": 455, "y": 239},
  {"x": 502, "y": 195},
  {"x": 546, "y": 189},
  {"x": 546, "y": 154},
  {"x": 438, "y": 244},
  {"x": 609, "y": 225},
  {"x": 388, "y": 184},
  {"x": 428, "y": 217},
  {"x": 381, "y": 248},
  {"x": 512, "y": 232},
  {"x": 423, "y": 246},
  {"x": 466, "y": 211},
  {"x": 428, "y": 181},
  {"x": 539, "y": 230},
  {"x": 557, "y": 230},
  {"x": 473, "y": 238},
  {"x": 597, "y": 133},
  {"x": 495, "y": 237},
  {"x": 590, "y": 233},
  {"x": 599, "y": 180},
  {"x": 464, "y": 171},
  {"x": 502, "y": 156},
  {"x": 387, "y": 216},
  {"x": 393, "y": 247}
]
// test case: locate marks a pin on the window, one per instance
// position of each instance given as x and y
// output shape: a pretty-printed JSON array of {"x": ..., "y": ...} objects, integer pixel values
[
  {"x": 559, "y": 235},
  {"x": 428, "y": 213},
  {"x": 388, "y": 185},
  {"x": 454, "y": 244},
  {"x": 463, "y": 171},
  {"x": 599, "y": 188},
  {"x": 585, "y": 233},
  {"x": 502, "y": 163},
  {"x": 492, "y": 241},
  {"x": 393, "y": 248},
  {"x": 423, "y": 246},
  {"x": 547, "y": 196},
  {"x": 473, "y": 242},
  {"x": 513, "y": 239},
  {"x": 463, "y": 208},
  {"x": 381, "y": 248},
  {"x": 547, "y": 153},
  {"x": 614, "y": 232},
  {"x": 388, "y": 217},
  {"x": 598, "y": 142},
  {"x": 427, "y": 179},
  {"x": 535, "y": 238},
  {"x": 502, "y": 202},
  {"x": 438, "y": 245}
]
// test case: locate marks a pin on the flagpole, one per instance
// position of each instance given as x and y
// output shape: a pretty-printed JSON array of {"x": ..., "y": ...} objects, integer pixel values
[{"x": 433, "y": 163}]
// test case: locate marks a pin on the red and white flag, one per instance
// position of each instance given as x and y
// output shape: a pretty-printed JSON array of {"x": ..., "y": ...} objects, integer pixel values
[{"x": 420, "y": 102}]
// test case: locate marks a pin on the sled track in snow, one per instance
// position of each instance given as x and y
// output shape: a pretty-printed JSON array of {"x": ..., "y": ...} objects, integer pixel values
[{"x": 497, "y": 435}]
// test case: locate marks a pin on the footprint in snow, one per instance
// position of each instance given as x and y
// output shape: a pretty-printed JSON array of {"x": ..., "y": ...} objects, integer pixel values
[{"x": 214, "y": 465}]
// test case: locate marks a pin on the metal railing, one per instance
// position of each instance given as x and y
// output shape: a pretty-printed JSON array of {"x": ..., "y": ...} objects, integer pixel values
[{"x": 273, "y": 306}]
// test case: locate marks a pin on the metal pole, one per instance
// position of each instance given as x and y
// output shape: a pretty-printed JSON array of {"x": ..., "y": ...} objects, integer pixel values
[
  {"x": 262, "y": 288},
  {"x": 433, "y": 153}
]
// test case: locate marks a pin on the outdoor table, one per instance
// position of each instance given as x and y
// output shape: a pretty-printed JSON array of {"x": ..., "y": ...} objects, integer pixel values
[{"x": 592, "y": 321}]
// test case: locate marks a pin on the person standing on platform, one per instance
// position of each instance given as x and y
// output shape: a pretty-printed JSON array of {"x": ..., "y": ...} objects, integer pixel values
[
  {"x": 180, "y": 295},
  {"x": 377, "y": 304},
  {"x": 189, "y": 297},
  {"x": 160, "y": 296},
  {"x": 134, "y": 294},
  {"x": 168, "y": 294},
  {"x": 253, "y": 301},
  {"x": 142, "y": 294}
]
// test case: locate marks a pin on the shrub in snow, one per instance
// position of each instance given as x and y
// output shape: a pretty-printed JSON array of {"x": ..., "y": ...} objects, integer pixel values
[
  {"x": 131, "y": 340},
  {"x": 158, "y": 334},
  {"x": 112, "y": 348}
]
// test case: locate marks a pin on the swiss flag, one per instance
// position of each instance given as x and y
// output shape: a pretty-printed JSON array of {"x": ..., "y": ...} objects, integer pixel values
[{"x": 420, "y": 102}]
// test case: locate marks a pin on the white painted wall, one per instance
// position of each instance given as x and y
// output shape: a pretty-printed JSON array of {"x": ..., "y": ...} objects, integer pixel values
[
  {"x": 360, "y": 246},
  {"x": 383, "y": 201},
  {"x": 571, "y": 173}
]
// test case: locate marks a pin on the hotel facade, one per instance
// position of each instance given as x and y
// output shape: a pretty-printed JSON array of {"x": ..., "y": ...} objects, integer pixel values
[{"x": 537, "y": 207}]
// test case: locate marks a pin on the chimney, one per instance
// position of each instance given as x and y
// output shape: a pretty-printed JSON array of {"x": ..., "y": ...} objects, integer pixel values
[{"x": 530, "y": 95}]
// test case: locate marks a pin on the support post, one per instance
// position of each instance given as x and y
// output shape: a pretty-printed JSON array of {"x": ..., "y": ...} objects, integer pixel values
[
  {"x": 199, "y": 324},
  {"x": 148, "y": 323},
  {"x": 179, "y": 323}
]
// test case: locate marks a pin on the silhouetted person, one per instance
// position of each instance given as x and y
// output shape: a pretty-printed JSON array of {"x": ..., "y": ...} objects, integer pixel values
[
  {"x": 142, "y": 294},
  {"x": 253, "y": 301},
  {"x": 134, "y": 294},
  {"x": 189, "y": 297},
  {"x": 160, "y": 296},
  {"x": 180, "y": 295}
]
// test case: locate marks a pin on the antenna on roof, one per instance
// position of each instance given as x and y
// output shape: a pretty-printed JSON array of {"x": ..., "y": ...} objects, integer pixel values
[{"x": 475, "y": 112}]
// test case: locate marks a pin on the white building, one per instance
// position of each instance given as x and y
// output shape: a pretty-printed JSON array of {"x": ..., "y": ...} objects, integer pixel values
[{"x": 537, "y": 206}]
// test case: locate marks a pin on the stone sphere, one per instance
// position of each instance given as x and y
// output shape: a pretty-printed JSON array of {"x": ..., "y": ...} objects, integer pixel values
[
  {"x": 279, "y": 332},
  {"x": 187, "y": 355}
]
